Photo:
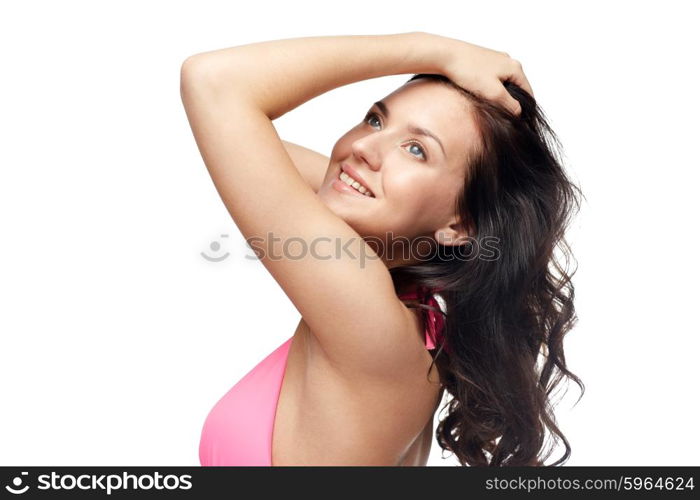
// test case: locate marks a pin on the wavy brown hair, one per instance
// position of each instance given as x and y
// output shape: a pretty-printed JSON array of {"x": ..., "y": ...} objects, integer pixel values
[{"x": 506, "y": 312}]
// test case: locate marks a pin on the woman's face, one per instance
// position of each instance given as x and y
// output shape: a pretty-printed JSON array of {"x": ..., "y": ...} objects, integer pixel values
[{"x": 414, "y": 178}]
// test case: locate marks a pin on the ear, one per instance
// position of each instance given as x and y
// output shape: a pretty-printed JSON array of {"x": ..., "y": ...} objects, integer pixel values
[{"x": 452, "y": 234}]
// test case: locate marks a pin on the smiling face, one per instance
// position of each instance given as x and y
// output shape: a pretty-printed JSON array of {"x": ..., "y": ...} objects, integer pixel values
[{"x": 414, "y": 179}]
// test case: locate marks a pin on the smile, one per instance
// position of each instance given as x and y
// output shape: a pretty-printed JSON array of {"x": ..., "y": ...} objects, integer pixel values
[{"x": 354, "y": 185}]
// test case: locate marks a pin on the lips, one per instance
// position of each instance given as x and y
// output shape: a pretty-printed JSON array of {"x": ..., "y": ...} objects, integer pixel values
[{"x": 356, "y": 176}]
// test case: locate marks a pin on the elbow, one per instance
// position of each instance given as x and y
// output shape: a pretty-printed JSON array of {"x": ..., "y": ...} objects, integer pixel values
[
  {"x": 204, "y": 72},
  {"x": 192, "y": 69},
  {"x": 196, "y": 79}
]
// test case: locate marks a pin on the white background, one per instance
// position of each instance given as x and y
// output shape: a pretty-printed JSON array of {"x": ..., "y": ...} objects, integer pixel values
[{"x": 117, "y": 337}]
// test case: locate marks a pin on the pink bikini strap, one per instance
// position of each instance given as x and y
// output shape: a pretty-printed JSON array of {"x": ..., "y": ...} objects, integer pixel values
[{"x": 436, "y": 321}]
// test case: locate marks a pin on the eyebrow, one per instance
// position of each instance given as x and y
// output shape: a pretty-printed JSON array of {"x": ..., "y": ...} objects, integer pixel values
[{"x": 414, "y": 129}]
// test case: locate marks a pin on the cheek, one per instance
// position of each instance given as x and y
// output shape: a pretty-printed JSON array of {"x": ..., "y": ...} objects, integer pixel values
[
  {"x": 410, "y": 192},
  {"x": 402, "y": 184},
  {"x": 423, "y": 203},
  {"x": 411, "y": 201}
]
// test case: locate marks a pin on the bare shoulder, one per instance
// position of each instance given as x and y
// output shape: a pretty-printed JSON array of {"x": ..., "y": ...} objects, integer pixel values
[{"x": 311, "y": 164}]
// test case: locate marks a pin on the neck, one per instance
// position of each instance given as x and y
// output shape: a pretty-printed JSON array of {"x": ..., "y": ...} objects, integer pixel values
[{"x": 398, "y": 254}]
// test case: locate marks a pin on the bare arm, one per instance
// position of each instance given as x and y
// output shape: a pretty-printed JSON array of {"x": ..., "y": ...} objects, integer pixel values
[
  {"x": 311, "y": 164},
  {"x": 347, "y": 298},
  {"x": 279, "y": 75}
]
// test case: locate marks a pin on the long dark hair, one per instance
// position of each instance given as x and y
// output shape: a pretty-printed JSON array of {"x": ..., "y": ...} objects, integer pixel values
[{"x": 507, "y": 311}]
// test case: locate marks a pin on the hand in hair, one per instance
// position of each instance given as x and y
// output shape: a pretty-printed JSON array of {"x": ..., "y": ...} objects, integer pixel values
[{"x": 482, "y": 71}]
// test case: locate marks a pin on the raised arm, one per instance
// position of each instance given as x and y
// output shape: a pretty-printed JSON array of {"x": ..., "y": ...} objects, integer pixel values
[
  {"x": 231, "y": 97},
  {"x": 279, "y": 75}
]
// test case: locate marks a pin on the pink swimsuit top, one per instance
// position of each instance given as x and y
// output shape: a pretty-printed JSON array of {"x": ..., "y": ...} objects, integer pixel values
[{"x": 238, "y": 429}]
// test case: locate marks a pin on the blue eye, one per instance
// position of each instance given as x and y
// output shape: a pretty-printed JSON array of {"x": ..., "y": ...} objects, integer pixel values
[
  {"x": 420, "y": 148},
  {"x": 371, "y": 115}
]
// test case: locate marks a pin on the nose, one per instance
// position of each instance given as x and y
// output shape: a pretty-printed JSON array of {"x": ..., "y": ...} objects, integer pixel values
[{"x": 367, "y": 150}]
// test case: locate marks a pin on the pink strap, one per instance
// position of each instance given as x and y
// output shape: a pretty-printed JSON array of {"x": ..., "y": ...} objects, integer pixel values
[{"x": 436, "y": 321}]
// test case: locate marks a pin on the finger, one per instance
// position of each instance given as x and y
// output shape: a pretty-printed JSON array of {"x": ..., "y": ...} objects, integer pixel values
[
  {"x": 498, "y": 94},
  {"x": 518, "y": 77},
  {"x": 515, "y": 107},
  {"x": 513, "y": 72},
  {"x": 511, "y": 105},
  {"x": 507, "y": 101},
  {"x": 521, "y": 81}
]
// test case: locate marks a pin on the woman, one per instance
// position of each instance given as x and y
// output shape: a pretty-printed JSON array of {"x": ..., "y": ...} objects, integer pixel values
[{"x": 447, "y": 189}]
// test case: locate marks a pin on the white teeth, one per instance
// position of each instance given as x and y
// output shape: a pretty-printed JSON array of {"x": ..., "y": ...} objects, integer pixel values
[{"x": 353, "y": 183}]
